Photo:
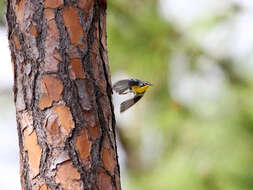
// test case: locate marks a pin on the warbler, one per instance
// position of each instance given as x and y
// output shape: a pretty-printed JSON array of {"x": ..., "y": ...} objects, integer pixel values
[{"x": 135, "y": 86}]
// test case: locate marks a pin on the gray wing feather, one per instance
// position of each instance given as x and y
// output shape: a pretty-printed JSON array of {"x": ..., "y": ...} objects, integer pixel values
[
  {"x": 121, "y": 86},
  {"x": 128, "y": 103}
]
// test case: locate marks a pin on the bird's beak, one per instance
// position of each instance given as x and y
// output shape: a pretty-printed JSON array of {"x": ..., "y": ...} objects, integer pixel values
[{"x": 147, "y": 83}]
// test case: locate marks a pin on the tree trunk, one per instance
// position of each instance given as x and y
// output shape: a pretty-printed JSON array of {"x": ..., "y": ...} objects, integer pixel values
[{"x": 62, "y": 93}]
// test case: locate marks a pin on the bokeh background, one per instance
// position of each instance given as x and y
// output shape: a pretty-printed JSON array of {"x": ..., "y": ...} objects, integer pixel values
[{"x": 194, "y": 128}]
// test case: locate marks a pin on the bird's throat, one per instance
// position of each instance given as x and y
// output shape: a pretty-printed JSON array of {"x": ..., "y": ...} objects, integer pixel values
[{"x": 139, "y": 90}]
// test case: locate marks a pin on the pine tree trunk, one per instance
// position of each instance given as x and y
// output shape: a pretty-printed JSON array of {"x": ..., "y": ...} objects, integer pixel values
[{"x": 62, "y": 93}]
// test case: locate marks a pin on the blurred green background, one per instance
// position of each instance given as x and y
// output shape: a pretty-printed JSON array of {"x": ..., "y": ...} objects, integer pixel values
[{"x": 194, "y": 128}]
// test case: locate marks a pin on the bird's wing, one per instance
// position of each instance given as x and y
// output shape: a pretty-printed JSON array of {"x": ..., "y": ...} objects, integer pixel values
[
  {"x": 121, "y": 86},
  {"x": 128, "y": 103}
]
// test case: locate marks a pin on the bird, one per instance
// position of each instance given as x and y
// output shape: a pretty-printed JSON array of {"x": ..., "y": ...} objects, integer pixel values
[{"x": 134, "y": 86}]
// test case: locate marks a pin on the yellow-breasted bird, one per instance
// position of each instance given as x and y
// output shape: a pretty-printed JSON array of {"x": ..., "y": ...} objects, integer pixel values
[{"x": 135, "y": 86}]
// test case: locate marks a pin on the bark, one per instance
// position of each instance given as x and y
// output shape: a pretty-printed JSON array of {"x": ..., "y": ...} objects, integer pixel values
[{"x": 62, "y": 93}]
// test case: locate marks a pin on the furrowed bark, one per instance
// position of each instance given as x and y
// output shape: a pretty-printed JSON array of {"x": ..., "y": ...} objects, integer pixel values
[{"x": 62, "y": 93}]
